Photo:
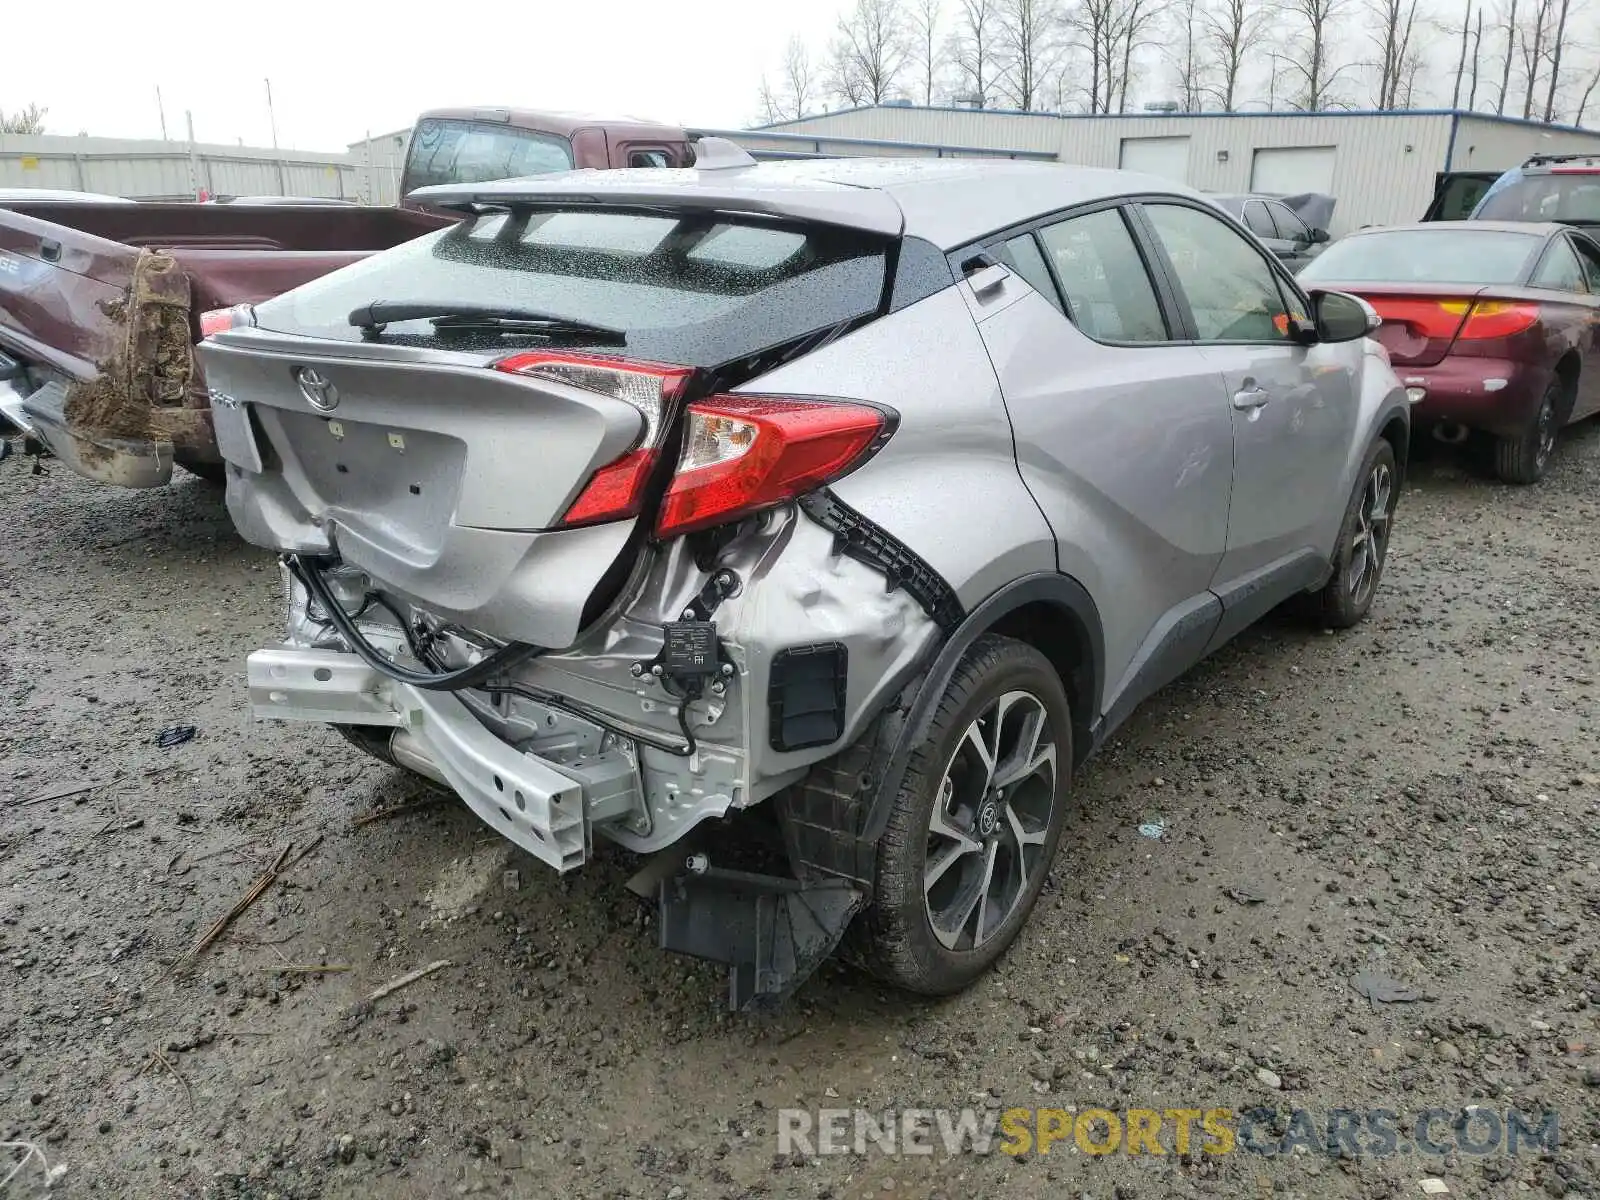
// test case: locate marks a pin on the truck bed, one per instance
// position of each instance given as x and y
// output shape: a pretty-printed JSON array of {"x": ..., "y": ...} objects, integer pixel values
[{"x": 101, "y": 304}]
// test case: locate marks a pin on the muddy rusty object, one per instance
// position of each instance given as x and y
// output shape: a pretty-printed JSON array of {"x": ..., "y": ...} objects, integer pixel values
[{"x": 144, "y": 407}]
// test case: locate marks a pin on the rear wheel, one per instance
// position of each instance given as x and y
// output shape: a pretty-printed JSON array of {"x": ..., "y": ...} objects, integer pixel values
[
  {"x": 1524, "y": 458},
  {"x": 1363, "y": 545},
  {"x": 975, "y": 824}
]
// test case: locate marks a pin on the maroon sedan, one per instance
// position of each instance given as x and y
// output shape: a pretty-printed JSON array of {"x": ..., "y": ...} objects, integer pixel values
[{"x": 1492, "y": 326}]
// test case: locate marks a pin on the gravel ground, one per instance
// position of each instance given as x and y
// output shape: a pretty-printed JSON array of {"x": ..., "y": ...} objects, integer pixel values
[{"x": 1416, "y": 798}]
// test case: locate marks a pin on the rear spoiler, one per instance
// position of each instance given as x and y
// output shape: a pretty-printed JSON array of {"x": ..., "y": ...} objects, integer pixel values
[{"x": 722, "y": 185}]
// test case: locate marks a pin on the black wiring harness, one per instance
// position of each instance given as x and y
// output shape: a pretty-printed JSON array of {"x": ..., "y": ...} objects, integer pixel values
[
  {"x": 479, "y": 676},
  {"x": 474, "y": 676}
]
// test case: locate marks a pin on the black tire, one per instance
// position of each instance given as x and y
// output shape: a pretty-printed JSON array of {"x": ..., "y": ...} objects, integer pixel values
[
  {"x": 1523, "y": 459},
  {"x": 216, "y": 474},
  {"x": 895, "y": 937},
  {"x": 1347, "y": 597}
]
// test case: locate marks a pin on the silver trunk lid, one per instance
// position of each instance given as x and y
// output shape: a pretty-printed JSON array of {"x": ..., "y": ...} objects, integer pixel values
[{"x": 439, "y": 476}]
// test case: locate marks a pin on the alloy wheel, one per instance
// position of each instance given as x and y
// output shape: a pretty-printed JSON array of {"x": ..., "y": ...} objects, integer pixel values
[
  {"x": 1546, "y": 432},
  {"x": 990, "y": 821},
  {"x": 1371, "y": 539}
]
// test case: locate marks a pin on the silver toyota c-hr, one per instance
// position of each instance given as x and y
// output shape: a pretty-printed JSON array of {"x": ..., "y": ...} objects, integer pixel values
[{"x": 802, "y": 525}]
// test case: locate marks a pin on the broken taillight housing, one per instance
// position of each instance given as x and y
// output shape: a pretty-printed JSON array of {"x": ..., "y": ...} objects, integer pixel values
[
  {"x": 742, "y": 454},
  {"x": 217, "y": 320},
  {"x": 616, "y": 491}
]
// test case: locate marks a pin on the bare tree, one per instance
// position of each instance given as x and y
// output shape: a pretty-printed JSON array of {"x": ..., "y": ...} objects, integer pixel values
[
  {"x": 870, "y": 49},
  {"x": 1461, "y": 62},
  {"x": 1137, "y": 23},
  {"x": 1533, "y": 51},
  {"x": 1309, "y": 59},
  {"x": 1095, "y": 23},
  {"x": 1186, "y": 52},
  {"x": 28, "y": 120},
  {"x": 1230, "y": 32},
  {"x": 973, "y": 49},
  {"x": 1556, "y": 47},
  {"x": 1583, "y": 104},
  {"x": 1028, "y": 40},
  {"x": 929, "y": 49},
  {"x": 796, "y": 92},
  {"x": 1477, "y": 46},
  {"x": 1393, "y": 35},
  {"x": 1511, "y": 53}
]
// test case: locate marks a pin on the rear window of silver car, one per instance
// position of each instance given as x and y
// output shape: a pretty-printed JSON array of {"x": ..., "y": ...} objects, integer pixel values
[
  {"x": 1443, "y": 255},
  {"x": 695, "y": 288},
  {"x": 1570, "y": 196}
]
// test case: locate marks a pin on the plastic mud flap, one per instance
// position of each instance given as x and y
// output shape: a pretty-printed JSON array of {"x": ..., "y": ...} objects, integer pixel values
[
  {"x": 547, "y": 808},
  {"x": 772, "y": 932}
]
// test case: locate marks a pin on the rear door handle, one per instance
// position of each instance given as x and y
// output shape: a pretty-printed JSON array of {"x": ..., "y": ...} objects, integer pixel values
[{"x": 1250, "y": 398}]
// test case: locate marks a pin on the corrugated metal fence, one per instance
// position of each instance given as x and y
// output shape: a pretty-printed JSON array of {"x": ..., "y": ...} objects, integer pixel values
[{"x": 154, "y": 170}]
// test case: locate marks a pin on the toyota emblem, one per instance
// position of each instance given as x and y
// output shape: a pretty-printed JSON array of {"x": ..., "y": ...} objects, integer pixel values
[{"x": 317, "y": 388}]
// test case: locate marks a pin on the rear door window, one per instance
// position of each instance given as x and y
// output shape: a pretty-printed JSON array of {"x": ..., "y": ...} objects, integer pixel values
[
  {"x": 1022, "y": 255},
  {"x": 1290, "y": 227},
  {"x": 444, "y": 151},
  {"x": 649, "y": 158},
  {"x": 1257, "y": 219},
  {"x": 1589, "y": 260},
  {"x": 1559, "y": 269},
  {"x": 1108, "y": 289},
  {"x": 697, "y": 289}
]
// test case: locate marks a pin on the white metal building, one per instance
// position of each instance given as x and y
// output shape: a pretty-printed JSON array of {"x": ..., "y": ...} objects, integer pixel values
[
  {"x": 1380, "y": 167},
  {"x": 172, "y": 170}
]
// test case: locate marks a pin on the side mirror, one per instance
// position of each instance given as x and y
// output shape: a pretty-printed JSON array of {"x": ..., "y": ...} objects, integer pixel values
[
  {"x": 1319, "y": 237},
  {"x": 1342, "y": 318}
]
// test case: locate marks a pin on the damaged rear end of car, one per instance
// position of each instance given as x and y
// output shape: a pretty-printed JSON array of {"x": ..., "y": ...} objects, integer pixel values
[{"x": 553, "y": 536}]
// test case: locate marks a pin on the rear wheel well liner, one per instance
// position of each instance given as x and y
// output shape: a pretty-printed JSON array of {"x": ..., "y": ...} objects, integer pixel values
[
  {"x": 1397, "y": 432},
  {"x": 1566, "y": 370}
]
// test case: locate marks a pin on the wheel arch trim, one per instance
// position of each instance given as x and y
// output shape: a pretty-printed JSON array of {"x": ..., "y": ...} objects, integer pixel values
[{"x": 1051, "y": 590}]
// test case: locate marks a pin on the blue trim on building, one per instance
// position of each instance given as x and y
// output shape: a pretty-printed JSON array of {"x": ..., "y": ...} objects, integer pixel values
[{"x": 1455, "y": 113}]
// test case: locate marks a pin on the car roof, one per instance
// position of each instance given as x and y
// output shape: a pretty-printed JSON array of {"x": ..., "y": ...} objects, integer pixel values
[
  {"x": 1531, "y": 228},
  {"x": 555, "y": 121},
  {"x": 947, "y": 201}
]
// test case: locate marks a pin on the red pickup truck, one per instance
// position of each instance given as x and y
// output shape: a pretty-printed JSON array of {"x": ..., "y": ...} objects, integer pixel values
[{"x": 101, "y": 303}]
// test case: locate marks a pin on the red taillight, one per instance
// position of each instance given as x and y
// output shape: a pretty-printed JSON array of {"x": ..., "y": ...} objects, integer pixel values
[
  {"x": 1450, "y": 319},
  {"x": 615, "y": 491},
  {"x": 1498, "y": 318},
  {"x": 745, "y": 453},
  {"x": 218, "y": 319}
]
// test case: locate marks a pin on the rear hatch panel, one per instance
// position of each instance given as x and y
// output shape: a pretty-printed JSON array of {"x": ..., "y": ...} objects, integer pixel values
[{"x": 435, "y": 473}]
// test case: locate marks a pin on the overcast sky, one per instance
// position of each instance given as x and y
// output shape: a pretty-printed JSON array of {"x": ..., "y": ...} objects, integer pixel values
[{"x": 340, "y": 69}]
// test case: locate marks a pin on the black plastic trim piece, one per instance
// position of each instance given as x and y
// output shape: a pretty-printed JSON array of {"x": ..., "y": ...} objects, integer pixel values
[
  {"x": 806, "y": 696},
  {"x": 859, "y": 538},
  {"x": 1184, "y": 638}
]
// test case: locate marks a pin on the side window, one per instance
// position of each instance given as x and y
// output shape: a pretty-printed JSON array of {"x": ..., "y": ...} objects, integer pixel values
[
  {"x": 1109, "y": 293},
  {"x": 1559, "y": 269},
  {"x": 1255, "y": 216},
  {"x": 649, "y": 158},
  {"x": 1289, "y": 226},
  {"x": 1022, "y": 255},
  {"x": 1232, "y": 292},
  {"x": 1589, "y": 259}
]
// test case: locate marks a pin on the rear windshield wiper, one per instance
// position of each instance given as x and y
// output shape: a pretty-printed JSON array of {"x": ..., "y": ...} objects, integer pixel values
[{"x": 371, "y": 319}]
